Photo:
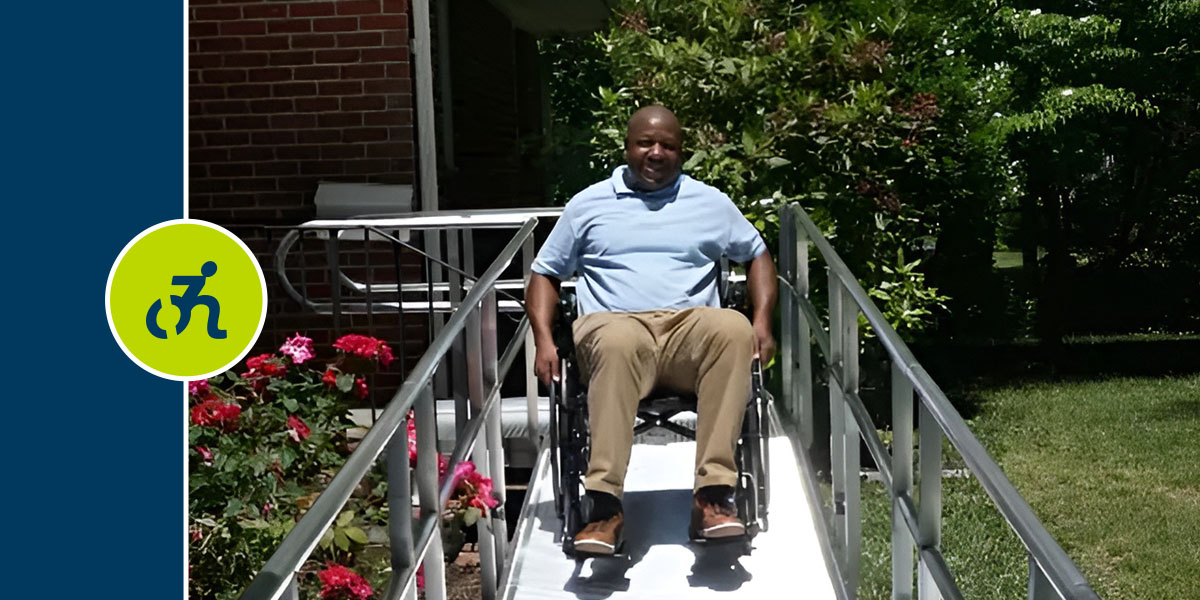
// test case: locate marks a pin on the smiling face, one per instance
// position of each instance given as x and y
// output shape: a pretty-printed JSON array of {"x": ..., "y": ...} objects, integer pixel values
[{"x": 652, "y": 147}]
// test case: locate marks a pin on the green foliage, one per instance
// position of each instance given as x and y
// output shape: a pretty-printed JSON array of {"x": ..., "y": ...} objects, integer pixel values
[
  {"x": 576, "y": 71},
  {"x": 1066, "y": 130},
  {"x": 1104, "y": 123},
  {"x": 264, "y": 446},
  {"x": 1060, "y": 106},
  {"x": 252, "y": 479},
  {"x": 857, "y": 110}
]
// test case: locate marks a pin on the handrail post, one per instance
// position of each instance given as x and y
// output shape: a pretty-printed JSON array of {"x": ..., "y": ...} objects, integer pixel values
[
  {"x": 427, "y": 491},
  {"x": 477, "y": 388},
  {"x": 802, "y": 383},
  {"x": 457, "y": 373},
  {"x": 531, "y": 388},
  {"x": 432, "y": 239},
  {"x": 333, "y": 257},
  {"x": 787, "y": 309},
  {"x": 929, "y": 521},
  {"x": 902, "y": 483},
  {"x": 852, "y": 443},
  {"x": 399, "y": 499},
  {"x": 493, "y": 434},
  {"x": 1039, "y": 586},
  {"x": 842, "y": 471},
  {"x": 837, "y": 412}
]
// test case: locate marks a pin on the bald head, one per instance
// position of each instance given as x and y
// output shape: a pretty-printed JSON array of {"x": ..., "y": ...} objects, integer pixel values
[
  {"x": 652, "y": 146},
  {"x": 655, "y": 113}
]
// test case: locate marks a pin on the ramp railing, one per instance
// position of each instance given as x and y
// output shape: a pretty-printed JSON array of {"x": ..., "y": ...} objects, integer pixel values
[
  {"x": 916, "y": 521},
  {"x": 416, "y": 541}
]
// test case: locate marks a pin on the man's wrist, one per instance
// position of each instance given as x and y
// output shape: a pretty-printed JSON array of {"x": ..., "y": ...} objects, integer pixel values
[
  {"x": 761, "y": 320},
  {"x": 541, "y": 339}
]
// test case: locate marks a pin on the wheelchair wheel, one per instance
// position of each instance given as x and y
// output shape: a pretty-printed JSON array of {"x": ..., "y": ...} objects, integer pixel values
[
  {"x": 750, "y": 472},
  {"x": 764, "y": 442},
  {"x": 574, "y": 450},
  {"x": 556, "y": 451},
  {"x": 761, "y": 441}
]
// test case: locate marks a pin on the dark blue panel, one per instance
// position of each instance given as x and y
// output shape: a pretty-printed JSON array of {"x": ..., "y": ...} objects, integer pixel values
[{"x": 92, "y": 154}]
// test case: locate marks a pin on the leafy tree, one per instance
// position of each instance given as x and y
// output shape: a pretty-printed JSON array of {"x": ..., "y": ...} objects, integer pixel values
[
  {"x": 858, "y": 110},
  {"x": 924, "y": 135},
  {"x": 1104, "y": 123}
]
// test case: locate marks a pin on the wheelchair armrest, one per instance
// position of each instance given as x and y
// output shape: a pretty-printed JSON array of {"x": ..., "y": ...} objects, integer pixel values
[{"x": 564, "y": 320}]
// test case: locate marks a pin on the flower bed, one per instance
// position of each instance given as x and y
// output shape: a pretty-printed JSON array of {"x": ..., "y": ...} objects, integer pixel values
[{"x": 265, "y": 442}]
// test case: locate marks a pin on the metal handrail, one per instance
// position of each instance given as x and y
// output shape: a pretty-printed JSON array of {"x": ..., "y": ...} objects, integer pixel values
[
  {"x": 278, "y": 573},
  {"x": 289, "y": 241},
  {"x": 1049, "y": 564},
  {"x": 374, "y": 227}
]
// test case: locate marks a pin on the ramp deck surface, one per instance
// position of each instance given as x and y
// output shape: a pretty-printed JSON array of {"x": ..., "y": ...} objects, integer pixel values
[{"x": 661, "y": 563}]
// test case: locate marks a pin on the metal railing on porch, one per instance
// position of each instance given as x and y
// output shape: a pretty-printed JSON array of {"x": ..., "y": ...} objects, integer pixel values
[
  {"x": 916, "y": 522},
  {"x": 443, "y": 244},
  {"x": 469, "y": 337}
]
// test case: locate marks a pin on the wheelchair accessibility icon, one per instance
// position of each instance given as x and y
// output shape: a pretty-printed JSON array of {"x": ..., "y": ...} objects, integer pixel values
[
  {"x": 190, "y": 299},
  {"x": 174, "y": 312}
]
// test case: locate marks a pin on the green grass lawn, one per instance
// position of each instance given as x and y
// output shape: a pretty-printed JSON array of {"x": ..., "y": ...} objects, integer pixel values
[{"x": 1112, "y": 469}]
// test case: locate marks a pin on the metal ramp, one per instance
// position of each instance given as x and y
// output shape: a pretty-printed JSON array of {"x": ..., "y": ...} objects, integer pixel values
[
  {"x": 811, "y": 550},
  {"x": 661, "y": 563}
]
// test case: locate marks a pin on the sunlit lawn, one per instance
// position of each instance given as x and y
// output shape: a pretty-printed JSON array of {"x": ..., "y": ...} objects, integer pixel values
[{"x": 1111, "y": 467}]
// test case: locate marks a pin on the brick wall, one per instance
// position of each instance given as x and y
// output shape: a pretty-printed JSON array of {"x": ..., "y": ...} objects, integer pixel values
[{"x": 285, "y": 94}]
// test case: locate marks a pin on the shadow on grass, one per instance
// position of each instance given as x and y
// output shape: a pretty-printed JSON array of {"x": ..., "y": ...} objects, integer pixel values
[
  {"x": 1175, "y": 410},
  {"x": 962, "y": 365},
  {"x": 964, "y": 370}
]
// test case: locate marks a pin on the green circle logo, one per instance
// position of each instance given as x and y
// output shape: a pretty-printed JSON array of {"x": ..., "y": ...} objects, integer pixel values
[{"x": 186, "y": 299}]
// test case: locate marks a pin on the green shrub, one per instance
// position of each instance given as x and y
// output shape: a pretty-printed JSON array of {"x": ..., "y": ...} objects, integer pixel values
[{"x": 263, "y": 445}]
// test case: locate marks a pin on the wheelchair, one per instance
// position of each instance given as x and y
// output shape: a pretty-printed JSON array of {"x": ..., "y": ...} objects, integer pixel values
[{"x": 570, "y": 444}]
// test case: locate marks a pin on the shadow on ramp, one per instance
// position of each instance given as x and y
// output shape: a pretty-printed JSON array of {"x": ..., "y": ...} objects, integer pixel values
[
  {"x": 657, "y": 518},
  {"x": 719, "y": 568}
]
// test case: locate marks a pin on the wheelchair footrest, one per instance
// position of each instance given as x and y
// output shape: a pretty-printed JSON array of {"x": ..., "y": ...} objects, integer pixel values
[
  {"x": 718, "y": 541},
  {"x": 737, "y": 545},
  {"x": 619, "y": 555}
]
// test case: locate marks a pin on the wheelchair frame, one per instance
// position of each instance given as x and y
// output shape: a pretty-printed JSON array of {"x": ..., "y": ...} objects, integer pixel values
[{"x": 570, "y": 448}]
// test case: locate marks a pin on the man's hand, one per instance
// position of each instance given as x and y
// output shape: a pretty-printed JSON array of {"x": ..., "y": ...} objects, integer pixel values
[
  {"x": 545, "y": 363},
  {"x": 764, "y": 343},
  {"x": 541, "y": 298}
]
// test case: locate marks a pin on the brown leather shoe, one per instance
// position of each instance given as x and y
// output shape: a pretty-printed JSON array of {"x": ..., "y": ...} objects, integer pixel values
[
  {"x": 714, "y": 514},
  {"x": 600, "y": 537}
]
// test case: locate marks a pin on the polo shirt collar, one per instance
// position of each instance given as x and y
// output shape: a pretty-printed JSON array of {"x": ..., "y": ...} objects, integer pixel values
[{"x": 622, "y": 190}]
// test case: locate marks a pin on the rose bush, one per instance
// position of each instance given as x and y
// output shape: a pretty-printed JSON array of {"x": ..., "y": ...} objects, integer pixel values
[
  {"x": 265, "y": 441},
  {"x": 473, "y": 496}
]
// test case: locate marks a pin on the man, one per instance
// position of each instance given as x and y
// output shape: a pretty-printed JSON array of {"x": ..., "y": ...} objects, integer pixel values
[{"x": 646, "y": 244}]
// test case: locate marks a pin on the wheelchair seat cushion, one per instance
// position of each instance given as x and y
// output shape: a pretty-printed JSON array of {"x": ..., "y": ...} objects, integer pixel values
[{"x": 665, "y": 401}]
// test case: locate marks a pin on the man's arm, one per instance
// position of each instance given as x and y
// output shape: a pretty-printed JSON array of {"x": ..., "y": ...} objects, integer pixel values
[
  {"x": 763, "y": 286},
  {"x": 541, "y": 302}
]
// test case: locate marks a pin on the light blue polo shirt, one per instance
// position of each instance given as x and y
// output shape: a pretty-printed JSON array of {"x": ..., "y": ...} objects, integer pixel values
[{"x": 637, "y": 251}]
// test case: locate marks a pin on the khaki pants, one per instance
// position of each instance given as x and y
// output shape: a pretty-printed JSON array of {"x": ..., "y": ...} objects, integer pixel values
[{"x": 704, "y": 350}]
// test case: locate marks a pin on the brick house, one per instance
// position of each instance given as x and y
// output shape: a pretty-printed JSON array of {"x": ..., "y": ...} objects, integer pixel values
[{"x": 284, "y": 95}]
